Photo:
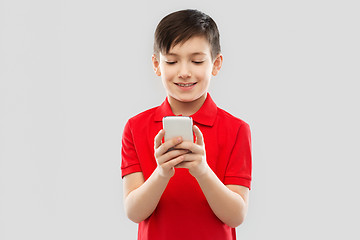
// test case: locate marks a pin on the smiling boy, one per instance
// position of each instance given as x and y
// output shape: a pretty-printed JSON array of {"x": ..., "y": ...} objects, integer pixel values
[{"x": 200, "y": 190}]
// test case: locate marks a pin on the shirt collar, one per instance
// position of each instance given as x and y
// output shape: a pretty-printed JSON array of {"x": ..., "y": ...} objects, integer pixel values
[{"x": 206, "y": 115}]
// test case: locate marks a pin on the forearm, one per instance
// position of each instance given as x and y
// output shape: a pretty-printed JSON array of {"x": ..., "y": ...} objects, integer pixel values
[
  {"x": 227, "y": 205},
  {"x": 141, "y": 202}
]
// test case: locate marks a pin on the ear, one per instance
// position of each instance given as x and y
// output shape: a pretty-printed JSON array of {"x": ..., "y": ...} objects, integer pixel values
[
  {"x": 156, "y": 65},
  {"x": 217, "y": 64}
]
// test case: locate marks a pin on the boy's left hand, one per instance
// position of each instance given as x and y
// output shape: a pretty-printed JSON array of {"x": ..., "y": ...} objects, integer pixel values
[{"x": 195, "y": 160}]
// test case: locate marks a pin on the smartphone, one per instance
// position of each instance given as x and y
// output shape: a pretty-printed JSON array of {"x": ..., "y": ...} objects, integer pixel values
[{"x": 178, "y": 126}]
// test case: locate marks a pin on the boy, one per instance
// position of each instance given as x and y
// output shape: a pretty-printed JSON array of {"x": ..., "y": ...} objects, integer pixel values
[{"x": 200, "y": 189}]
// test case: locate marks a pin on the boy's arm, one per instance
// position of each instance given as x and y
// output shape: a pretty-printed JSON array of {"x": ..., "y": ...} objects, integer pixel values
[
  {"x": 228, "y": 202},
  {"x": 141, "y": 197}
]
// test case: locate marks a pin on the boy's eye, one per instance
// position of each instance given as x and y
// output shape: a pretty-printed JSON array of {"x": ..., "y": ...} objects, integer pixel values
[
  {"x": 197, "y": 62},
  {"x": 170, "y": 62}
]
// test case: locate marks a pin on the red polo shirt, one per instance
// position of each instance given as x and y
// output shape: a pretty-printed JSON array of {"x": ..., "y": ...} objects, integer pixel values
[{"x": 183, "y": 211}]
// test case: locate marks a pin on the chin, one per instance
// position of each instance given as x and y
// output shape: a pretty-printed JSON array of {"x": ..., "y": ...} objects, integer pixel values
[
  {"x": 188, "y": 99},
  {"x": 185, "y": 100}
]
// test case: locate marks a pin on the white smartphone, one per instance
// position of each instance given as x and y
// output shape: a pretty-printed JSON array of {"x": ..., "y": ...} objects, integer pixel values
[{"x": 178, "y": 126}]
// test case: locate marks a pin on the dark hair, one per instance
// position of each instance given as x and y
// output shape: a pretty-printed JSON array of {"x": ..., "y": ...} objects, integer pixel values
[{"x": 180, "y": 26}]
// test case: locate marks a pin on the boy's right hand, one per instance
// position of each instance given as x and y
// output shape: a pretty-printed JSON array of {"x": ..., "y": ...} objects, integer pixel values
[{"x": 167, "y": 160}]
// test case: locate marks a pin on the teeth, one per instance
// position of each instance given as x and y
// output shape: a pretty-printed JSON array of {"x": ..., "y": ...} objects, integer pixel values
[{"x": 185, "y": 85}]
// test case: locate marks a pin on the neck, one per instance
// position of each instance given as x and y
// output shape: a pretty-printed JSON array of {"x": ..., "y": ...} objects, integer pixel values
[{"x": 186, "y": 108}]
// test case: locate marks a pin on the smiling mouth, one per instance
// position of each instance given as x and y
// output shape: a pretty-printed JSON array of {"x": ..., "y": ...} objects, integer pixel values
[{"x": 185, "y": 85}]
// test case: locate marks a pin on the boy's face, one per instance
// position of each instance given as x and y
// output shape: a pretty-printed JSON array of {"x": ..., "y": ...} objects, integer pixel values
[{"x": 187, "y": 68}]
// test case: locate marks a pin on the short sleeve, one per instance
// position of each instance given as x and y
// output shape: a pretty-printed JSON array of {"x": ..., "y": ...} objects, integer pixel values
[
  {"x": 129, "y": 158},
  {"x": 238, "y": 171}
]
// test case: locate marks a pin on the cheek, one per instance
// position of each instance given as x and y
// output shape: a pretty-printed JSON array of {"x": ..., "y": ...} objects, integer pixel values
[
  {"x": 203, "y": 73},
  {"x": 167, "y": 74}
]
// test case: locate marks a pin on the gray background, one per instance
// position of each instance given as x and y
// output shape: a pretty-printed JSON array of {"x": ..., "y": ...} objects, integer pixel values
[{"x": 72, "y": 73}]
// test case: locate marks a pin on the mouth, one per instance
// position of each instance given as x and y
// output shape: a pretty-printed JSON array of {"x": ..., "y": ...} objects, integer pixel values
[{"x": 185, "y": 84}]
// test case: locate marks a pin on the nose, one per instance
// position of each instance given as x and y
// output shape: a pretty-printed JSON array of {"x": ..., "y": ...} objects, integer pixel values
[{"x": 184, "y": 71}]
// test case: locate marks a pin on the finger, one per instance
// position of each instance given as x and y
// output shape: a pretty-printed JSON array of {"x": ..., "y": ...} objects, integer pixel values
[
  {"x": 171, "y": 155},
  {"x": 184, "y": 164},
  {"x": 174, "y": 162},
  {"x": 199, "y": 136},
  {"x": 163, "y": 148},
  {"x": 158, "y": 138},
  {"x": 192, "y": 147},
  {"x": 191, "y": 157}
]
